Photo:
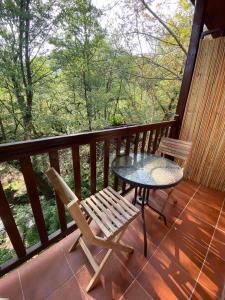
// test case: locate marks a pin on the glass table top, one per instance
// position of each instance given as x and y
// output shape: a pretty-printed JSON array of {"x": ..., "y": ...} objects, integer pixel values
[{"x": 147, "y": 170}]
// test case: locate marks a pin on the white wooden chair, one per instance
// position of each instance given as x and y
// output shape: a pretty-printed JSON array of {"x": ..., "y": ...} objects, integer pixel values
[
  {"x": 111, "y": 212},
  {"x": 178, "y": 149}
]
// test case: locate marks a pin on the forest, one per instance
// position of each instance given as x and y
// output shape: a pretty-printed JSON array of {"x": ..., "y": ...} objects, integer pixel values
[{"x": 75, "y": 65}]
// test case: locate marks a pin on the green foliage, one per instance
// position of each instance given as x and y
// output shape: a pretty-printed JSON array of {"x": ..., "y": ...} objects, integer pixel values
[{"x": 61, "y": 72}]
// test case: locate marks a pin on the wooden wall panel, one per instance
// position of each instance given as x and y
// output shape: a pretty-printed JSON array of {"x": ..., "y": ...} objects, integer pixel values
[{"x": 204, "y": 119}]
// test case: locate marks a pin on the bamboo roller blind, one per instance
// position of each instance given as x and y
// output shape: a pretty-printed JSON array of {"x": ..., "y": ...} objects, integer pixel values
[{"x": 204, "y": 119}]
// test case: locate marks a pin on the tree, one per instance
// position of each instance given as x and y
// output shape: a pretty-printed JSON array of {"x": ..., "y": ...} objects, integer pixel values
[
  {"x": 24, "y": 27},
  {"x": 77, "y": 45}
]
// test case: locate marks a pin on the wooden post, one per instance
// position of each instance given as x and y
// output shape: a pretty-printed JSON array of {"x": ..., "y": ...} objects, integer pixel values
[{"x": 197, "y": 28}]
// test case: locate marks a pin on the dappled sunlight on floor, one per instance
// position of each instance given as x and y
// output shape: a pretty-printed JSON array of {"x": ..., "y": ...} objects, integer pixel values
[{"x": 185, "y": 259}]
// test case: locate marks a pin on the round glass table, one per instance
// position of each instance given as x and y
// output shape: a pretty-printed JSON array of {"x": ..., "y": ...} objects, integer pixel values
[{"x": 147, "y": 171}]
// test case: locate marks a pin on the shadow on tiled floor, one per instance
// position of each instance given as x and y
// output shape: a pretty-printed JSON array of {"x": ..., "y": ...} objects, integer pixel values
[{"x": 185, "y": 260}]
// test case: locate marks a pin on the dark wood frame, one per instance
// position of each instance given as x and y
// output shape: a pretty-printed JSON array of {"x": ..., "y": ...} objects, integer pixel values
[{"x": 197, "y": 28}]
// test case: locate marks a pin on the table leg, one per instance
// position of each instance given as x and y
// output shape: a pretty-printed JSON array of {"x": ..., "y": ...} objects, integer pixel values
[
  {"x": 144, "y": 227},
  {"x": 158, "y": 212},
  {"x": 135, "y": 196}
]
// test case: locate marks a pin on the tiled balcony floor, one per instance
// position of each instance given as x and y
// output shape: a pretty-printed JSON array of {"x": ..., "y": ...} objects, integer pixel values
[{"x": 186, "y": 259}]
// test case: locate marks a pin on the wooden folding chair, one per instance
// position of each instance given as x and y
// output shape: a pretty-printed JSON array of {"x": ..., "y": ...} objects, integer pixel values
[
  {"x": 178, "y": 149},
  {"x": 111, "y": 212}
]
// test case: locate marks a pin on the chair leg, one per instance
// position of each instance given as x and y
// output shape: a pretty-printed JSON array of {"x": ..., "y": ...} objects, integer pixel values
[
  {"x": 73, "y": 247},
  {"x": 167, "y": 198},
  {"x": 98, "y": 272},
  {"x": 114, "y": 244},
  {"x": 104, "y": 261}
]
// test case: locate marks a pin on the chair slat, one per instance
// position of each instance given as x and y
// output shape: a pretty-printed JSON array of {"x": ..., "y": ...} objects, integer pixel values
[
  {"x": 123, "y": 205},
  {"x": 96, "y": 218},
  {"x": 107, "y": 211},
  {"x": 176, "y": 148},
  {"x": 117, "y": 214},
  {"x": 114, "y": 204},
  {"x": 131, "y": 206},
  {"x": 104, "y": 218}
]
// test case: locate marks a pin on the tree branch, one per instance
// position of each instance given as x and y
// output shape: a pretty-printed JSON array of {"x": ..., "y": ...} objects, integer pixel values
[{"x": 165, "y": 26}]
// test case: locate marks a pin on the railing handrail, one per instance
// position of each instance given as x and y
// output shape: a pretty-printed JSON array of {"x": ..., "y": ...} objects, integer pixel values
[{"x": 16, "y": 150}]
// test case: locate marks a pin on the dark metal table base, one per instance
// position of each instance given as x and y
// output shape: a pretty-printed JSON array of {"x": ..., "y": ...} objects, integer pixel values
[{"x": 143, "y": 201}]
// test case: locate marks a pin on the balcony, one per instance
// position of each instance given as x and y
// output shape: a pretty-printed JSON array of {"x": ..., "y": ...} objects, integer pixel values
[{"x": 185, "y": 258}]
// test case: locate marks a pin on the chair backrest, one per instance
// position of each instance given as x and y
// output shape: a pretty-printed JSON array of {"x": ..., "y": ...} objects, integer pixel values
[
  {"x": 176, "y": 148},
  {"x": 71, "y": 201}
]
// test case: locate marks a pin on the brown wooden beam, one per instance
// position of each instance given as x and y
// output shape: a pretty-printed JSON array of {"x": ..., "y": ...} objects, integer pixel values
[
  {"x": 17, "y": 150},
  {"x": 197, "y": 28}
]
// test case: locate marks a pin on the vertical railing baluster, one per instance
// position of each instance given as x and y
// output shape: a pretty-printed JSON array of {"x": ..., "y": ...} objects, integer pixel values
[
  {"x": 54, "y": 162},
  {"x": 162, "y": 133},
  {"x": 118, "y": 146},
  {"x": 166, "y": 131},
  {"x": 150, "y": 141},
  {"x": 136, "y": 143},
  {"x": 106, "y": 163},
  {"x": 10, "y": 225},
  {"x": 127, "y": 151},
  {"x": 155, "y": 142},
  {"x": 143, "y": 141},
  {"x": 28, "y": 174},
  {"x": 93, "y": 166},
  {"x": 76, "y": 170}
]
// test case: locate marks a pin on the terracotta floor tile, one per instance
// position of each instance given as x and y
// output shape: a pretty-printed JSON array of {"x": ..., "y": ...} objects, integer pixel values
[
  {"x": 113, "y": 282},
  {"x": 76, "y": 258},
  {"x": 43, "y": 274},
  {"x": 203, "y": 212},
  {"x": 210, "y": 197},
  {"x": 10, "y": 286},
  {"x": 221, "y": 222},
  {"x": 213, "y": 275},
  {"x": 136, "y": 260},
  {"x": 188, "y": 187},
  {"x": 136, "y": 292},
  {"x": 218, "y": 243},
  {"x": 70, "y": 290},
  {"x": 171, "y": 212},
  {"x": 162, "y": 278},
  {"x": 194, "y": 228},
  {"x": 155, "y": 227},
  {"x": 180, "y": 198},
  {"x": 187, "y": 253},
  {"x": 202, "y": 293}
]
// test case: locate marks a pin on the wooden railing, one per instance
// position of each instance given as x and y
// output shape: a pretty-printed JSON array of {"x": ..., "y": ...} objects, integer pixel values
[{"x": 138, "y": 138}]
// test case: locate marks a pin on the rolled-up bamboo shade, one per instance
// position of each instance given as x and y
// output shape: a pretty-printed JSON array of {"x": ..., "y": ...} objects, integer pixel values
[{"x": 204, "y": 119}]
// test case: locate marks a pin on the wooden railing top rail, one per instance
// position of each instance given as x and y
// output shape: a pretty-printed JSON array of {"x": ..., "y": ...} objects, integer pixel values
[{"x": 17, "y": 150}]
